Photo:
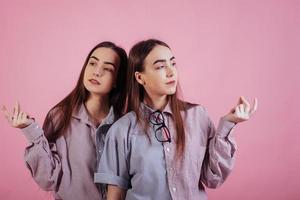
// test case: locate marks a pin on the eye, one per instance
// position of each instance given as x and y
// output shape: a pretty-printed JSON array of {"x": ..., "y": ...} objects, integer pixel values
[
  {"x": 160, "y": 67},
  {"x": 174, "y": 64},
  {"x": 92, "y": 63},
  {"x": 108, "y": 69}
]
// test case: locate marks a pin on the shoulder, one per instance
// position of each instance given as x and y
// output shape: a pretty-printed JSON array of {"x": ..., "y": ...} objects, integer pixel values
[
  {"x": 193, "y": 107},
  {"x": 55, "y": 113},
  {"x": 125, "y": 120},
  {"x": 123, "y": 126},
  {"x": 196, "y": 112}
]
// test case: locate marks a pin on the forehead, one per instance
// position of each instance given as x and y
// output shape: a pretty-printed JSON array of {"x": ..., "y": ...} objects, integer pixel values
[
  {"x": 158, "y": 52},
  {"x": 106, "y": 54}
]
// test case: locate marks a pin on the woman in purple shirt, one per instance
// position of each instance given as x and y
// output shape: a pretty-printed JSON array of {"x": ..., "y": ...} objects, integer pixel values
[
  {"x": 62, "y": 155},
  {"x": 165, "y": 148}
]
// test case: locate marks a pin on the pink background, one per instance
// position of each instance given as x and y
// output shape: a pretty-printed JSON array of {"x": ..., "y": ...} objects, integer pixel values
[{"x": 224, "y": 49}]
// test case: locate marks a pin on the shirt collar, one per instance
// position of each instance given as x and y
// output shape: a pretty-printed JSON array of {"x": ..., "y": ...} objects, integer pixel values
[
  {"x": 147, "y": 110},
  {"x": 82, "y": 115}
]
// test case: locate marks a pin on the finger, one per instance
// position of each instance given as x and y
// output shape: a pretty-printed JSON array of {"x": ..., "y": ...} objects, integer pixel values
[
  {"x": 17, "y": 120},
  {"x": 18, "y": 106},
  {"x": 247, "y": 109},
  {"x": 16, "y": 113},
  {"x": 20, "y": 116},
  {"x": 24, "y": 117},
  {"x": 254, "y": 108},
  {"x": 245, "y": 102},
  {"x": 242, "y": 108},
  {"x": 7, "y": 115},
  {"x": 237, "y": 110},
  {"x": 240, "y": 100}
]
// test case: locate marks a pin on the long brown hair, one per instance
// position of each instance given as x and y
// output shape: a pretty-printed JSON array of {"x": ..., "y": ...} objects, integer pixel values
[
  {"x": 136, "y": 91},
  {"x": 59, "y": 117}
]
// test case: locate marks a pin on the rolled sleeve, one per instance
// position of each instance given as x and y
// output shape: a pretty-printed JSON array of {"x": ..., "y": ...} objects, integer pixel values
[
  {"x": 112, "y": 168},
  {"x": 111, "y": 179}
]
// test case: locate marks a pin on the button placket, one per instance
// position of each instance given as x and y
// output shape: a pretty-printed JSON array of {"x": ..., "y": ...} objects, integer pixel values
[
  {"x": 174, "y": 189},
  {"x": 170, "y": 147},
  {"x": 168, "y": 158},
  {"x": 99, "y": 142}
]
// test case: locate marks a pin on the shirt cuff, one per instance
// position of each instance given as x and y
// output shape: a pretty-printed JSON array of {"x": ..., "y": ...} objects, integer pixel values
[
  {"x": 111, "y": 180},
  {"x": 32, "y": 131},
  {"x": 224, "y": 127}
]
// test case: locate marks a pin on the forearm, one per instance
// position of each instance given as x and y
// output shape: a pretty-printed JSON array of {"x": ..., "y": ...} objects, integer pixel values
[
  {"x": 115, "y": 193},
  {"x": 42, "y": 160},
  {"x": 220, "y": 156}
]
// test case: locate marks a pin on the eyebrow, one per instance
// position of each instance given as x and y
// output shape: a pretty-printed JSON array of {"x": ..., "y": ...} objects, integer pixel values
[
  {"x": 110, "y": 63},
  {"x": 163, "y": 60},
  {"x": 95, "y": 58},
  {"x": 105, "y": 62}
]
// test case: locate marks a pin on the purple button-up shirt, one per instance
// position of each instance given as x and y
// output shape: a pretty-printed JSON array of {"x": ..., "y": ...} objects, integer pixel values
[
  {"x": 67, "y": 165},
  {"x": 147, "y": 168}
]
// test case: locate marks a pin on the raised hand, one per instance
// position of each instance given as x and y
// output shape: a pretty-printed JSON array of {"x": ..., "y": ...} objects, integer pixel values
[
  {"x": 242, "y": 111},
  {"x": 17, "y": 119}
]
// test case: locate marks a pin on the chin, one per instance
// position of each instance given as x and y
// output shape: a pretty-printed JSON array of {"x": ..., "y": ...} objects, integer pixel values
[
  {"x": 171, "y": 92},
  {"x": 98, "y": 91}
]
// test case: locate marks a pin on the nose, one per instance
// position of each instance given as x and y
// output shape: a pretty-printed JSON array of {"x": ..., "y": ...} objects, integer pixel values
[
  {"x": 170, "y": 70},
  {"x": 98, "y": 71}
]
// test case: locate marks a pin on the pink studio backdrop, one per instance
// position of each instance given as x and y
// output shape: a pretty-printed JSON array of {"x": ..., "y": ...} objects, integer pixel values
[{"x": 224, "y": 49}]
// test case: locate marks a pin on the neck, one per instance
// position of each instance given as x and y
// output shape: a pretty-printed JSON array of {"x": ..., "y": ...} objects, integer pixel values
[
  {"x": 156, "y": 102},
  {"x": 97, "y": 107}
]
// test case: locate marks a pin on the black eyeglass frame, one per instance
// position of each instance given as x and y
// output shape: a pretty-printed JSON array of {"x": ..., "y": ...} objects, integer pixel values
[{"x": 161, "y": 125}]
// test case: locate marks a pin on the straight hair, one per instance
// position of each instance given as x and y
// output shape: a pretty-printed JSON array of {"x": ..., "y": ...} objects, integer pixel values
[
  {"x": 58, "y": 119},
  {"x": 136, "y": 91}
]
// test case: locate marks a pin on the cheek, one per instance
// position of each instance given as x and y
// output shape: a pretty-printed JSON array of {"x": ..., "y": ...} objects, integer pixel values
[
  {"x": 175, "y": 73},
  {"x": 85, "y": 77},
  {"x": 108, "y": 81},
  {"x": 156, "y": 80},
  {"x": 86, "y": 73}
]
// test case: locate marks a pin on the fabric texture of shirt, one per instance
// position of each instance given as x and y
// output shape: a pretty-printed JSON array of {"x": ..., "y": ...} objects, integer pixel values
[
  {"x": 147, "y": 168},
  {"x": 67, "y": 165}
]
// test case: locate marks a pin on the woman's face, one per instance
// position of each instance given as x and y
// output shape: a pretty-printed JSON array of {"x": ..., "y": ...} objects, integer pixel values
[
  {"x": 101, "y": 71},
  {"x": 159, "y": 77}
]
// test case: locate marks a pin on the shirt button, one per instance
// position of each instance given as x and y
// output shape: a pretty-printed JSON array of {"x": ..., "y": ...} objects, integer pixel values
[
  {"x": 100, "y": 151},
  {"x": 174, "y": 189},
  {"x": 168, "y": 149}
]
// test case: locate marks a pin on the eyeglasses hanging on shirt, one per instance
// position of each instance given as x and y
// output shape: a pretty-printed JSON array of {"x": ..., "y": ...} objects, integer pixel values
[{"x": 162, "y": 132}]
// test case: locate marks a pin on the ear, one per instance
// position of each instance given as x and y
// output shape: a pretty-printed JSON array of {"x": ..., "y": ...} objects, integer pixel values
[{"x": 139, "y": 78}]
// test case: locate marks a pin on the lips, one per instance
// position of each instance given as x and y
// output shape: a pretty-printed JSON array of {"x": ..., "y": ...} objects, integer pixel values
[
  {"x": 171, "y": 82},
  {"x": 93, "y": 81}
]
